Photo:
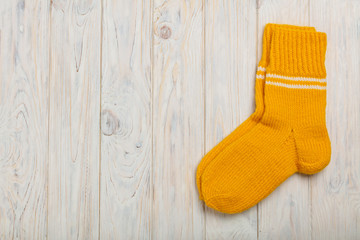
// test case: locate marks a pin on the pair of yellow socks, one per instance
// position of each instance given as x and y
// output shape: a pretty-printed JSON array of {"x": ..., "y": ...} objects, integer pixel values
[{"x": 286, "y": 133}]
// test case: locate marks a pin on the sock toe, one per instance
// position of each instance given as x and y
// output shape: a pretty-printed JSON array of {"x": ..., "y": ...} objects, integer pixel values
[{"x": 224, "y": 203}]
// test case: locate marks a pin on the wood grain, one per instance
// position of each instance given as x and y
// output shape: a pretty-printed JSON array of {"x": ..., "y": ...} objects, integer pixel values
[
  {"x": 288, "y": 206},
  {"x": 126, "y": 132},
  {"x": 178, "y": 119},
  {"x": 230, "y": 65},
  {"x": 24, "y": 104},
  {"x": 74, "y": 120},
  {"x": 336, "y": 190}
]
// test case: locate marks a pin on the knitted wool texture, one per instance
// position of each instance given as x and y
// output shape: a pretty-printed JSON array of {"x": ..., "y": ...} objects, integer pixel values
[
  {"x": 290, "y": 137},
  {"x": 259, "y": 100}
]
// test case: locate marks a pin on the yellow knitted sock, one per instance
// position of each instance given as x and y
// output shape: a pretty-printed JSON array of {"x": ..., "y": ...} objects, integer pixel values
[
  {"x": 259, "y": 100},
  {"x": 291, "y": 135}
]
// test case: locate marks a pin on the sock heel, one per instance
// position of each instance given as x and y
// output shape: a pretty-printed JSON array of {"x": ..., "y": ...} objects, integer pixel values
[{"x": 313, "y": 148}]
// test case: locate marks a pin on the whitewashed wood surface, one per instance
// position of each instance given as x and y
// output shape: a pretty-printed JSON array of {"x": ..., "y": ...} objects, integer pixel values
[{"x": 107, "y": 107}]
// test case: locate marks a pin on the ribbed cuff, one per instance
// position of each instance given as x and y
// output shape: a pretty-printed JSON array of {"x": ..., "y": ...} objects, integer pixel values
[
  {"x": 268, "y": 32},
  {"x": 298, "y": 53}
]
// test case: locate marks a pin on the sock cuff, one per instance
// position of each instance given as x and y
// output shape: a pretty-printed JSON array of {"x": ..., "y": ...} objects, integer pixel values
[
  {"x": 297, "y": 53},
  {"x": 268, "y": 32}
]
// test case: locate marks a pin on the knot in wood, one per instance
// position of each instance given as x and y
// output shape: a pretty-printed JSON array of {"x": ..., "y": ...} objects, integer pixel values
[
  {"x": 165, "y": 32},
  {"x": 109, "y": 123}
]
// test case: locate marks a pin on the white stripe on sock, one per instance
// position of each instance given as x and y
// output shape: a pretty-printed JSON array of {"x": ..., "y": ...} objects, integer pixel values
[
  {"x": 260, "y": 76},
  {"x": 261, "y": 69},
  {"x": 297, "y": 86},
  {"x": 321, "y": 80}
]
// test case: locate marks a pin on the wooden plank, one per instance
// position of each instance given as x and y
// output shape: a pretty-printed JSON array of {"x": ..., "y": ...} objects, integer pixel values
[
  {"x": 24, "y": 81},
  {"x": 178, "y": 119},
  {"x": 126, "y": 120},
  {"x": 230, "y": 66},
  {"x": 336, "y": 190},
  {"x": 285, "y": 214},
  {"x": 74, "y": 120}
]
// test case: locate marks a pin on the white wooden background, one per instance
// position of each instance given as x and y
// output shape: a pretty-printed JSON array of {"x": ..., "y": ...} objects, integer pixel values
[{"x": 107, "y": 107}]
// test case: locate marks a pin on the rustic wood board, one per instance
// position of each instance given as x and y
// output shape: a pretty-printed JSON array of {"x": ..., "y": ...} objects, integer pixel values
[
  {"x": 126, "y": 127},
  {"x": 178, "y": 119},
  {"x": 230, "y": 67},
  {"x": 74, "y": 149},
  {"x": 335, "y": 192},
  {"x": 24, "y": 110}
]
